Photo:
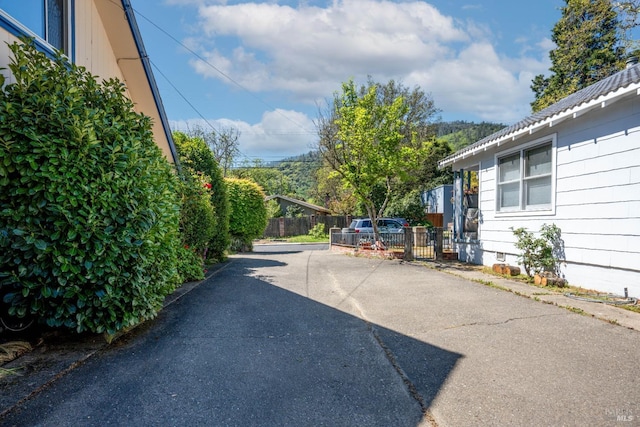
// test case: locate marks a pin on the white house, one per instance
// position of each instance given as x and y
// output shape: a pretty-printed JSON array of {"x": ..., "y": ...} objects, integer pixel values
[
  {"x": 575, "y": 164},
  {"x": 102, "y": 36}
]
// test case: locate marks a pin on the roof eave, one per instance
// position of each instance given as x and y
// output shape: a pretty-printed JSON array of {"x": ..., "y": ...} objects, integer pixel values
[
  {"x": 551, "y": 121},
  {"x": 146, "y": 64}
]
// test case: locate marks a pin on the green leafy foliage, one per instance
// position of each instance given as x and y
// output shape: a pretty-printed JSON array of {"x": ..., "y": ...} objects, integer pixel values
[
  {"x": 540, "y": 254},
  {"x": 273, "y": 209},
  {"x": 588, "y": 49},
  {"x": 197, "y": 159},
  {"x": 408, "y": 206},
  {"x": 88, "y": 207},
  {"x": 369, "y": 140},
  {"x": 197, "y": 221},
  {"x": 189, "y": 264},
  {"x": 248, "y": 212},
  {"x": 318, "y": 231}
]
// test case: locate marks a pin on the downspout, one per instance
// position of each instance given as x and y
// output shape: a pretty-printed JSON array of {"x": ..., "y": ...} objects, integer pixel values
[{"x": 146, "y": 64}]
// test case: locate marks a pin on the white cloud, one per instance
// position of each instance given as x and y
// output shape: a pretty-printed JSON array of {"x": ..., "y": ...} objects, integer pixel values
[
  {"x": 306, "y": 51},
  {"x": 279, "y": 134},
  {"x": 310, "y": 50}
]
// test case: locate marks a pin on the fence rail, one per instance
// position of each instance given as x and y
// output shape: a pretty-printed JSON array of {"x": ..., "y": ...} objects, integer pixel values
[{"x": 414, "y": 243}]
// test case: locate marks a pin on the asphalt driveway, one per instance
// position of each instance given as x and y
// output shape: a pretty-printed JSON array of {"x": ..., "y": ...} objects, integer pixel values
[{"x": 303, "y": 337}]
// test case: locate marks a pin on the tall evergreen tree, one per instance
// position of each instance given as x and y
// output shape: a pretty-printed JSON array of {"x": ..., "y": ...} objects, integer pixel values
[{"x": 588, "y": 49}]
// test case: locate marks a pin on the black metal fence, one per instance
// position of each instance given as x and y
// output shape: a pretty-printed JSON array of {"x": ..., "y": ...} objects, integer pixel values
[{"x": 415, "y": 243}]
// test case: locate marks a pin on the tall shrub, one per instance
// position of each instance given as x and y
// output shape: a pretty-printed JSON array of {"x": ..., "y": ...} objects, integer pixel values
[
  {"x": 248, "y": 212},
  {"x": 88, "y": 212},
  {"x": 196, "y": 157},
  {"x": 197, "y": 224}
]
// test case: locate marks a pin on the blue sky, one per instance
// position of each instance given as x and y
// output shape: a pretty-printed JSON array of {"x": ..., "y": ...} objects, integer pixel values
[{"x": 263, "y": 68}]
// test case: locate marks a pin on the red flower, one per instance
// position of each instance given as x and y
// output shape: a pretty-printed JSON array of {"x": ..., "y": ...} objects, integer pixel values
[{"x": 207, "y": 186}]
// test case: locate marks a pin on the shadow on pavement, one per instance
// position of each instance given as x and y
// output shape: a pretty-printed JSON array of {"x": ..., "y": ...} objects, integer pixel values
[{"x": 239, "y": 351}]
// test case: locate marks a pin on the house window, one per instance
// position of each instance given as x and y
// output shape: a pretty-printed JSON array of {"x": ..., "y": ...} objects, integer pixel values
[
  {"x": 46, "y": 19},
  {"x": 525, "y": 178}
]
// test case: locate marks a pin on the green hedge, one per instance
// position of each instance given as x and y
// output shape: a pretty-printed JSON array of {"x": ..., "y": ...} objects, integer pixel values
[
  {"x": 196, "y": 158},
  {"x": 248, "y": 212},
  {"x": 88, "y": 206}
]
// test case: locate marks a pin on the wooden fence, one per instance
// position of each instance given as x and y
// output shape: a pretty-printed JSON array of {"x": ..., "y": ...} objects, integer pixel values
[{"x": 286, "y": 227}]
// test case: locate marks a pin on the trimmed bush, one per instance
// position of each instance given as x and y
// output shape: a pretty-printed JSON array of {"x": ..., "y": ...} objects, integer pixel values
[
  {"x": 248, "y": 212},
  {"x": 197, "y": 220},
  {"x": 197, "y": 158},
  {"x": 197, "y": 224},
  {"x": 88, "y": 206}
]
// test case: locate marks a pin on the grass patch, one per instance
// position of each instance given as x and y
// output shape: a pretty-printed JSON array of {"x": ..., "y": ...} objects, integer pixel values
[
  {"x": 295, "y": 239},
  {"x": 13, "y": 349}
]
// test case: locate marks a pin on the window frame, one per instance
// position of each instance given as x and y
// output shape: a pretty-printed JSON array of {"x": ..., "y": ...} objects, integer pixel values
[
  {"x": 18, "y": 29},
  {"x": 521, "y": 209}
]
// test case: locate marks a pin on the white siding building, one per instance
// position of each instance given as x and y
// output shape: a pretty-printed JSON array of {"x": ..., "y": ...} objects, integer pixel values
[{"x": 575, "y": 164}]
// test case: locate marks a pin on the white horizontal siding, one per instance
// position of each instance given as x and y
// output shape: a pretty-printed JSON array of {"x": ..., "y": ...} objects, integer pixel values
[{"x": 597, "y": 200}]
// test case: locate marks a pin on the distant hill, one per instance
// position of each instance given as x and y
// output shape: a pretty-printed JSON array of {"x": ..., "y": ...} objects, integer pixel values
[
  {"x": 460, "y": 133},
  {"x": 301, "y": 170}
]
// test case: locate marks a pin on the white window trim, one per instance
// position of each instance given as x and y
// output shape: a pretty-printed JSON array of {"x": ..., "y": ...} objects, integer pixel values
[{"x": 521, "y": 148}]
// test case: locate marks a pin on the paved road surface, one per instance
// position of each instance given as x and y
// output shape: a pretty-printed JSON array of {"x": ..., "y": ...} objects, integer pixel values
[{"x": 304, "y": 337}]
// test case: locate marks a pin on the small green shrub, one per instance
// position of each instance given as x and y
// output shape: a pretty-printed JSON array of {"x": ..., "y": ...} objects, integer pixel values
[
  {"x": 540, "y": 254},
  {"x": 88, "y": 207},
  {"x": 318, "y": 231},
  {"x": 248, "y": 212}
]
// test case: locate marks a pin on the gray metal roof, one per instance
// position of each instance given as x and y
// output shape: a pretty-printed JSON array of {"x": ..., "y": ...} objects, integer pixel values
[
  {"x": 299, "y": 202},
  {"x": 604, "y": 87}
]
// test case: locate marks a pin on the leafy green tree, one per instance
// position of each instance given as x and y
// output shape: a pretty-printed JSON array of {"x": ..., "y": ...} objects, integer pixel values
[
  {"x": 408, "y": 206},
  {"x": 88, "y": 207},
  {"x": 368, "y": 142},
  {"x": 248, "y": 212},
  {"x": 329, "y": 190},
  {"x": 196, "y": 158},
  {"x": 588, "y": 50}
]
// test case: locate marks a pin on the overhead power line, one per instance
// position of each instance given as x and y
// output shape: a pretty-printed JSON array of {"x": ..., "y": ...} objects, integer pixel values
[{"x": 226, "y": 76}]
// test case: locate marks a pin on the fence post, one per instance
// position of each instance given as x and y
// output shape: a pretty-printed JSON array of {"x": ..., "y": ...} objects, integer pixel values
[
  {"x": 281, "y": 226},
  {"x": 408, "y": 244},
  {"x": 332, "y": 231},
  {"x": 439, "y": 243}
]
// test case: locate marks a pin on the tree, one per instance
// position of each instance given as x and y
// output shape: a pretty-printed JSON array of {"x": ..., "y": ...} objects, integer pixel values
[
  {"x": 223, "y": 143},
  {"x": 369, "y": 140},
  {"x": 329, "y": 191},
  {"x": 588, "y": 50},
  {"x": 628, "y": 12}
]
